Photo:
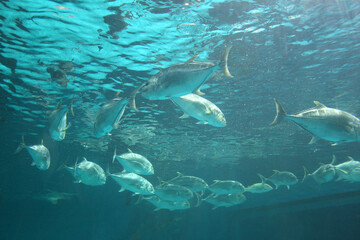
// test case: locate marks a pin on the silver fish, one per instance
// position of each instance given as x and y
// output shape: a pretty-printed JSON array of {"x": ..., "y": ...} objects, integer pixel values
[
  {"x": 39, "y": 153},
  {"x": 172, "y": 192},
  {"x": 344, "y": 169},
  {"x": 259, "y": 187},
  {"x": 193, "y": 183},
  {"x": 322, "y": 122},
  {"x": 57, "y": 122},
  {"x": 325, "y": 173},
  {"x": 132, "y": 182},
  {"x": 169, "y": 205},
  {"x": 89, "y": 173},
  {"x": 226, "y": 187},
  {"x": 180, "y": 79},
  {"x": 109, "y": 116},
  {"x": 282, "y": 178},
  {"x": 225, "y": 200},
  {"x": 135, "y": 163},
  {"x": 353, "y": 175},
  {"x": 200, "y": 108}
]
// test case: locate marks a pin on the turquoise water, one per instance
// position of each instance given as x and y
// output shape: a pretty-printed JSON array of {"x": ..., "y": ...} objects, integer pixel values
[{"x": 295, "y": 51}]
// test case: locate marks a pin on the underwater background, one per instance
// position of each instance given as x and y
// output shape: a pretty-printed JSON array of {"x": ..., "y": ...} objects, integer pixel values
[{"x": 295, "y": 51}]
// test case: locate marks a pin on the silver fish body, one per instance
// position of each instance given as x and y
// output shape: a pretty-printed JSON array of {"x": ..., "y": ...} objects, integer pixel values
[
  {"x": 172, "y": 192},
  {"x": 325, "y": 173},
  {"x": 226, "y": 187},
  {"x": 200, "y": 108},
  {"x": 39, "y": 153},
  {"x": 282, "y": 178},
  {"x": 169, "y": 205},
  {"x": 135, "y": 163},
  {"x": 325, "y": 123},
  {"x": 109, "y": 116},
  {"x": 225, "y": 200},
  {"x": 259, "y": 187},
  {"x": 89, "y": 173},
  {"x": 133, "y": 182},
  {"x": 344, "y": 170}
]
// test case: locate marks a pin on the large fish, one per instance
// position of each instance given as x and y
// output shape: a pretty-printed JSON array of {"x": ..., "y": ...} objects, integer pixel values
[
  {"x": 200, "y": 108},
  {"x": 325, "y": 173},
  {"x": 135, "y": 163},
  {"x": 226, "y": 187},
  {"x": 169, "y": 205},
  {"x": 322, "y": 122},
  {"x": 39, "y": 153},
  {"x": 181, "y": 79},
  {"x": 89, "y": 173},
  {"x": 259, "y": 187},
  {"x": 57, "y": 122},
  {"x": 109, "y": 116}
]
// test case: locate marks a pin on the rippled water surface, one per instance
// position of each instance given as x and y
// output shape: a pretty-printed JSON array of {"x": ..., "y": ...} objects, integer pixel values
[{"x": 295, "y": 51}]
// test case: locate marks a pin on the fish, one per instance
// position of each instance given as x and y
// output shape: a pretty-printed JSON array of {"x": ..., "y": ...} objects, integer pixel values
[
  {"x": 225, "y": 200},
  {"x": 109, "y": 116},
  {"x": 132, "y": 182},
  {"x": 201, "y": 109},
  {"x": 226, "y": 187},
  {"x": 57, "y": 122},
  {"x": 89, "y": 173},
  {"x": 282, "y": 178},
  {"x": 58, "y": 75},
  {"x": 180, "y": 79},
  {"x": 195, "y": 184},
  {"x": 259, "y": 187},
  {"x": 344, "y": 169},
  {"x": 169, "y": 205},
  {"x": 325, "y": 173},
  {"x": 136, "y": 163},
  {"x": 54, "y": 197},
  {"x": 325, "y": 123},
  {"x": 172, "y": 192},
  {"x": 39, "y": 153},
  {"x": 353, "y": 175}
]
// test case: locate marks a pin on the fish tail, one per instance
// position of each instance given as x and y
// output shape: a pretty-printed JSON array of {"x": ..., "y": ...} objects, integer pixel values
[
  {"x": 132, "y": 98},
  {"x": 224, "y": 62},
  {"x": 21, "y": 146},
  {"x": 280, "y": 113},
  {"x": 306, "y": 173},
  {"x": 114, "y": 156}
]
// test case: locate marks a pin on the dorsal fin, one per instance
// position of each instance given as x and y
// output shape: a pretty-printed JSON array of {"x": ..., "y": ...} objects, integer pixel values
[
  {"x": 333, "y": 159},
  {"x": 130, "y": 150},
  {"x": 319, "y": 104},
  {"x": 59, "y": 104},
  {"x": 192, "y": 59},
  {"x": 350, "y": 158}
]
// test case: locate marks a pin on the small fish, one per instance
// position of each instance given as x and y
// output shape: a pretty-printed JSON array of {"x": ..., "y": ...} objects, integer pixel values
[
  {"x": 172, "y": 192},
  {"x": 225, "y": 200},
  {"x": 169, "y": 205},
  {"x": 226, "y": 187},
  {"x": 200, "y": 108},
  {"x": 89, "y": 173},
  {"x": 58, "y": 75},
  {"x": 330, "y": 124},
  {"x": 136, "y": 163},
  {"x": 193, "y": 183},
  {"x": 282, "y": 178},
  {"x": 132, "y": 182},
  {"x": 180, "y": 79},
  {"x": 325, "y": 173},
  {"x": 57, "y": 122},
  {"x": 54, "y": 197},
  {"x": 39, "y": 153},
  {"x": 259, "y": 187},
  {"x": 344, "y": 169},
  {"x": 109, "y": 116}
]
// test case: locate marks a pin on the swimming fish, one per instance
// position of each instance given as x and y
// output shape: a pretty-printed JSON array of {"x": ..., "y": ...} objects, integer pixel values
[
  {"x": 330, "y": 124},
  {"x": 89, "y": 173},
  {"x": 109, "y": 116},
  {"x": 180, "y": 79},
  {"x": 325, "y": 173},
  {"x": 344, "y": 169},
  {"x": 259, "y": 187},
  {"x": 226, "y": 187},
  {"x": 169, "y": 205},
  {"x": 200, "y": 108},
  {"x": 282, "y": 178},
  {"x": 135, "y": 163},
  {"x": 193, "y": 183},
  {"x": 132, "y": 182},
  {"x": 172, "y": 192},
  {"x": 57, "y": 123},
  {"x": 54, "y": 197},
  {"x": 39, "y": 153},
  {"x": 225, "y": 200}
]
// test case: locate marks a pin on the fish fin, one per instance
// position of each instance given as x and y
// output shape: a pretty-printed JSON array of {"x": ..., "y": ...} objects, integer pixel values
[
  {"x": 118, "y": 118},
  {"x": 135, "y": 194},
  {"x": 33, "y": 164},
  {"x": 185, "y": 115},
  {"x": 129, "y": 150},
  {"x": 216, "y": 181},
  {"x": 59, "y": 104},
  {"x": 198, "y": 92},
  {"x": 200, "y": 122},
  {"x": 21, "y": 145},
  {"x": 263, "y": 179},
  {"x": 179, "y": 174},
  {"x": 350, "y": 158},
  {"x": 276, "y": 171},
  {"x": 319, "y": 105},
  {"x": 206, "y": 122},
  {"x": 280, "y": 113},
  {"x": 224, "y": 62},
  {"x": 133, "y": 96},
  {"x": 71, "y": 107},
  {"x": 122, "y": 189},
  {"x": 68, "y": 126},
  {"x": 208, "y": 111},
  {"x": 192, "y": 59},
  {"x": 162, "y": 182},
  {"x": 288, "y": 187},
  {"x": 114, "y": 156},
  {"x": 75, "y": 166},
  {"x": 334, "y": 144},
  {"x": 306, "y": 173},
  {"x": 314, "y": 139}
]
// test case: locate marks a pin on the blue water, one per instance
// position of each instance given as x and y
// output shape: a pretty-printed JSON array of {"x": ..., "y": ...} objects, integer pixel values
[{"x": 295, "y": 51}]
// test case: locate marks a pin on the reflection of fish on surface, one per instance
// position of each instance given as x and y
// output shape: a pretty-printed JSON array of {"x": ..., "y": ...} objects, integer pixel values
[
  {"x": 54, "y": 197},
  {"x": 201, "y": 109},
  {"x": 135, "y": 163},
  {"x": 39, "y": 153},
  {"x": 180, "y": 79},
  {"x": 325, "y": 173},
  {"x": 57, "y": 122},
  {"x": 323, "y": 123}
]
